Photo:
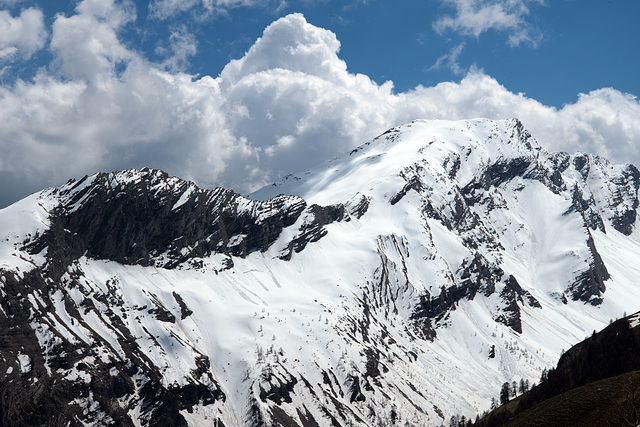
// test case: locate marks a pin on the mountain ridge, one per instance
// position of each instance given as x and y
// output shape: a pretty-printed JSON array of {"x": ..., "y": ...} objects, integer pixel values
[{"x": 399, "y": 284}]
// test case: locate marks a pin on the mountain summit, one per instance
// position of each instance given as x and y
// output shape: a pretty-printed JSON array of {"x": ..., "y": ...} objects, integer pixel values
[{"x": 399, "y": 284}]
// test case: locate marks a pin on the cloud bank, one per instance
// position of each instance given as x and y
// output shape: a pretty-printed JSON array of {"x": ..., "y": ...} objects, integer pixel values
[{"x": 289, "y": 103}]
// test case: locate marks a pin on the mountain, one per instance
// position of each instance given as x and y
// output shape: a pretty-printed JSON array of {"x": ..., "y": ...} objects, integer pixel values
[{"x": 399, "y": 284}]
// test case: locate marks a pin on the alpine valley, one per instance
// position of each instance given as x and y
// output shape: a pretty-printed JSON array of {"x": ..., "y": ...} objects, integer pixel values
[{"x": 400, "y": 284}]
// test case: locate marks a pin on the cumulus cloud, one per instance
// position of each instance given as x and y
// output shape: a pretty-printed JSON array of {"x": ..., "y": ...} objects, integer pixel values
[
  {"x": 106, "y": 108},
  {"x": 285, "y": 106},
  {"x": 22, "y": 35},
  {"x": 86, "y": 45},
  {"x": 474, "y": 17},
  {"x": 293, "y": 101},
  {"x": 604, "y": 122}
]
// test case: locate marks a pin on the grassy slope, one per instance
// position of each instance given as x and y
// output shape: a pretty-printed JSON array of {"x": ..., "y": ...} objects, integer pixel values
[{"x": 608, "y": 402}]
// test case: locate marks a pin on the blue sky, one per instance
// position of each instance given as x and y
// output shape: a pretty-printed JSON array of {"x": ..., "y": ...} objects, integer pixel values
[
  {"x": 183, "y": 85},
  {"x": 572, "y": 46}
]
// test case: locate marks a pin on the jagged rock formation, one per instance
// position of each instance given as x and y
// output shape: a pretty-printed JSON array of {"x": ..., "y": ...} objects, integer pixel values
[
  {"x": 146, "y": 218},
  {"x": 400, "y": 284}
]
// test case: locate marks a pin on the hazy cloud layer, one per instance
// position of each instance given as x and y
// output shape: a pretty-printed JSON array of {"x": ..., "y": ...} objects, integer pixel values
[
  {"x": 288, "y": 104},
  {"x": 163, "y": 9}
]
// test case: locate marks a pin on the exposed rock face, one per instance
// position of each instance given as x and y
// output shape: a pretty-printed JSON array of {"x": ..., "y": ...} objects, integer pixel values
[
  {"x": 589, "y": 285},
  {"x": 150, "y": 219},
  {"x": 67, "y": 381},
  {"x": 312, "y": 228},
  {"x": 619, "y": 196},
  {"x": 140, "y": 218},
  {"x": 477, "y": 277},
  {"x": 398, "y": 285},
  {"x": 486, "y": 190}
]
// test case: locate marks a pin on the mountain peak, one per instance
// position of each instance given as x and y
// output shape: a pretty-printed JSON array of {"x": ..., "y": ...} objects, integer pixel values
[
  {"x": 466, "y": 144},
  {"x": 400, "y": 283}
]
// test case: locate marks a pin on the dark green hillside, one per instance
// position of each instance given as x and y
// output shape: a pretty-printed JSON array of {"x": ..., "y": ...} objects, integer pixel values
[
  {"x": 573, "y": 393},
  {"x": 609, "y": 402}
]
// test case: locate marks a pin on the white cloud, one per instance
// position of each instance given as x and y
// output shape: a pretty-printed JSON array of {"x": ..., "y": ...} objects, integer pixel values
[
  {"x": 288, "y": 104},
  {"x": 182, "y": 46},
  {"x": 86, "y": 44},
  {"x": 449, "y": 60},
  {"x": 8, "y": 52},
  {"x": 106, "y": 108},
  {"x": 163, "y": 9},
  {"x": 10, "y": 3},
  {"x": 22, "y": 35},
  {"x": 604, "y": 122},
  {"x": 292, "y": 86},
  {"x": 474, "y": 17}
]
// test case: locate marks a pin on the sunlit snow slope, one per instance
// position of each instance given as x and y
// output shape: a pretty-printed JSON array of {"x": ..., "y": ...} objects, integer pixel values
[{"x": 400, "y": 284}]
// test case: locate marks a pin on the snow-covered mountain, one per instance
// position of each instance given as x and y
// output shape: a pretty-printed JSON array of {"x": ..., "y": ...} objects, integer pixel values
[{"x": 397, "y": 285}]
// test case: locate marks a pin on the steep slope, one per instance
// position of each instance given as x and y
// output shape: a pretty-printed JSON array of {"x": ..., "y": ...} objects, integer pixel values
[
  {"x": 596, "y": 382},
  {"x": 400, "y": 284}
]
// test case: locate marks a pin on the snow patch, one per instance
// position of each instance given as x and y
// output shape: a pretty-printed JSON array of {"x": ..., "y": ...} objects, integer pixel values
[{"x": 25, "y": 363}]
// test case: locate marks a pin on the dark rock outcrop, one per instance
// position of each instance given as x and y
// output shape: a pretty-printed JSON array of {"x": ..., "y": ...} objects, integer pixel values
[
  {"x": 152, "y": 219},
  {"x": 511, "y": 295},
  {"x": 60, "y": 383},
  {"x": 135, "y": 221},
  {"x": 589, "y": 285},
  {"x": 625, "y": 202}
]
